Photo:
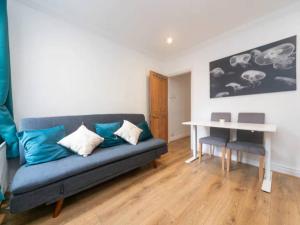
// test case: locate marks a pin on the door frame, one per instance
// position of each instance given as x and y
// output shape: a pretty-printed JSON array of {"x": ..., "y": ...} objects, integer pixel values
[{"x": 190, "y": 71}]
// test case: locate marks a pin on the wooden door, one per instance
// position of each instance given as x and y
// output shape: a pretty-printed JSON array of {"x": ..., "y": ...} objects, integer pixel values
[{"x": 158, "y": 91}]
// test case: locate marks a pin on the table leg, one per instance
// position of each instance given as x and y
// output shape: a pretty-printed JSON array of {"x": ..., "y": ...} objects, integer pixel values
[
  {"x": 194, "y": 157},
  {"x": 267, "y": 182}
]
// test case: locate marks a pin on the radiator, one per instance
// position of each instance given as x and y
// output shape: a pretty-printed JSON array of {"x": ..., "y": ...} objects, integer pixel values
[{"x": 3, "y": 169}]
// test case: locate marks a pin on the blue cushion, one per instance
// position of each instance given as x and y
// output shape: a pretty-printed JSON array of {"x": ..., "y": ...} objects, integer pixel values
[
  {"x": 146, "y": 134},
  {"x": 33, "y": 177},
  {"x": 71, "y": 123},
  {"x": 41, "y": 145},
  {"x": 107, "y": 130}
]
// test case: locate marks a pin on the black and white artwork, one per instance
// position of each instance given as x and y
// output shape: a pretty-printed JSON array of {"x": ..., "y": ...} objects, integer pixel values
[{"x": 269, "y": 68}]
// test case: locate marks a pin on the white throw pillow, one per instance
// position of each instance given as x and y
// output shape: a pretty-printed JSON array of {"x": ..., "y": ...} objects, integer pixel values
[
  {"x": 129, "y": 132},
  {"x": 82, "y": 141}
]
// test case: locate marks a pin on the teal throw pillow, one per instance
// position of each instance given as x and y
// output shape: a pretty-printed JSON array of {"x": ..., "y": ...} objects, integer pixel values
[
  {"x": 41, "y": 146},
  {"x": 146, "y": 134},
  {"x": 107, "y": 130}
]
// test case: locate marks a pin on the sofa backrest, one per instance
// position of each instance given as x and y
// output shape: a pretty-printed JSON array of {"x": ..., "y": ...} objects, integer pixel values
[{"x": 71, "y": 123}]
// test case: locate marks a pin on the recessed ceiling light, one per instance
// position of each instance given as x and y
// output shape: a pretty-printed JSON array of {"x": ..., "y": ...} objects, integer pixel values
[{"x": 169, "y": 40}]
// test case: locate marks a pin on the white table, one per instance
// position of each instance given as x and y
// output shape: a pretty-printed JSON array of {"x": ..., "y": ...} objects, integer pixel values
[{"x": 268, "y": 129}]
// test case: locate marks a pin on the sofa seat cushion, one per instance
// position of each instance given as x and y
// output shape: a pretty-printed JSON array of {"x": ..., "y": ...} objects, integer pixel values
[{"x": 37, "y": 176}]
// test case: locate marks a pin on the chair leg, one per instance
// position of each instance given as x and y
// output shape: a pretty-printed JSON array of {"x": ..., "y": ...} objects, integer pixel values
[
  {"x": 223, "y": 158},
  {"x": 239, "y": 156},
  {"x": 200, "y": 151},
  {"x": 261, "y": 168},
  {"x": 58, "y": 208},
  {"x": 209, "y": 151},
  {"x": 228, "y": 159}
]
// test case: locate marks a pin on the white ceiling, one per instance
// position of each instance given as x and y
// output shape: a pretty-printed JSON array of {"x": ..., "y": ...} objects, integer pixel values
[{"x": 144, "y": 24}]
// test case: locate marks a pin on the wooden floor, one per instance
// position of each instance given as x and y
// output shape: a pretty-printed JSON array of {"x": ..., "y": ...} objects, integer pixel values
[{"x": 179, "y": 193}]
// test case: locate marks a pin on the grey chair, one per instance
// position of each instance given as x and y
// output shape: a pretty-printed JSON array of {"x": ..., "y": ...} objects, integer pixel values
[
  {"x": 218, "y": 136},
  {"x": 249, "y": 141}
]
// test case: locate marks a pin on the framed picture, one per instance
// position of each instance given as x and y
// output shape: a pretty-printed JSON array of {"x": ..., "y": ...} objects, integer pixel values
[{"x": 265, "y": 69}]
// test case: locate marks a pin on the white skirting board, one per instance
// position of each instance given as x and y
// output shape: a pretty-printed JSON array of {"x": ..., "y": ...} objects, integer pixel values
[
  {"x": 276, "y": 167},
  {"x": 176, "y": 137},
  {"x": 3, "y": 168}
]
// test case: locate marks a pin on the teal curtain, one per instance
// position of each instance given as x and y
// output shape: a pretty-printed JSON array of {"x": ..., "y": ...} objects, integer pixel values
[
  {"x": 7, "y": 125},
  {"x": 1, "y": 195}
]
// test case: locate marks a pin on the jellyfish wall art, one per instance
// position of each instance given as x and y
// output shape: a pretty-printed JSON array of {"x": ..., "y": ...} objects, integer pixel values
[{"x": 265, "y": 69}]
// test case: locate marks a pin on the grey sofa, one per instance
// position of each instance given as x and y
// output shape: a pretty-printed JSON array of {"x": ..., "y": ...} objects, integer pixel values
[{"x": 51, "y": 182}]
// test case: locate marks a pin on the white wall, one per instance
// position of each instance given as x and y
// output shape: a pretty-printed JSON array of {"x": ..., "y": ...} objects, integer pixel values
[
  {"x": 179, "y": 92},
  {"x": 61, "y": 69},
  {"x": 282, "y": 108}
]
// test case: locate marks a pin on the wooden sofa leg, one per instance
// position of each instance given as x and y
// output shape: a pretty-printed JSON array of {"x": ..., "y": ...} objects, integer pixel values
[
  {"x": 58, "y": 208},
  {"x": 2, "y": 218},
  {"x": 154, "y": 164}
]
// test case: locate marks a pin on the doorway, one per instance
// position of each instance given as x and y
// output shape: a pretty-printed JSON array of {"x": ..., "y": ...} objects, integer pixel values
[
  {"x": 179, "y": 105},
  {"x": 170, "y": 105}
]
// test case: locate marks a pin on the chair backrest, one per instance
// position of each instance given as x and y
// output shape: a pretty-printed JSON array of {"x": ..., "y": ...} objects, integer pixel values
[
  {"x": 250, "y": 136},
  {"x": 220, "y": 132}
]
